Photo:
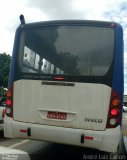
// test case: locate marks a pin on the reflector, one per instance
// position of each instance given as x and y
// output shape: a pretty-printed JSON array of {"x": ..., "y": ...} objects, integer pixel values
[
  {"x": 23, "y": 130},
  {"x": 88, "y": 138}
]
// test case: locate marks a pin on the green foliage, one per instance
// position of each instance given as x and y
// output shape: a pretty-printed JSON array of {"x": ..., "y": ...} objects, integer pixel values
[
  {"x": 5, "y": 61},
  {"x": 2, "y": 92}
]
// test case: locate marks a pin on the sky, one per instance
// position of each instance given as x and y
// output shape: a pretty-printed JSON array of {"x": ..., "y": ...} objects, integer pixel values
[{"x": 43, "y": 10}]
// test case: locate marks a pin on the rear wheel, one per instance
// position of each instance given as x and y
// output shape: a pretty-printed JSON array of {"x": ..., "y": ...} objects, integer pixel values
[{"x": 120, "y": 151}]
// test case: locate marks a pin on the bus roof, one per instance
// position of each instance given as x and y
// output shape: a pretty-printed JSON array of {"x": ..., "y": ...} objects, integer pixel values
[{"x": 69, "y": 22}]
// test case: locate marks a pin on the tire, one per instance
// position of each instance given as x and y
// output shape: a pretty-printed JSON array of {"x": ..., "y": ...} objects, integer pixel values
[{"x": 121, "y": 151}]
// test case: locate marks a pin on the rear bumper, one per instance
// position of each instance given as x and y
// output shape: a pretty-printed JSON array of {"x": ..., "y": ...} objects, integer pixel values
[{"x": 107, "y": 140}]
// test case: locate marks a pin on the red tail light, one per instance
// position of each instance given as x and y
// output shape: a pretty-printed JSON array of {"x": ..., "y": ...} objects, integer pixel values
[
  {"x": 59, "y": 78},
  {"x": 9, "y": 102},
  {"x": 114, "y": 111}
]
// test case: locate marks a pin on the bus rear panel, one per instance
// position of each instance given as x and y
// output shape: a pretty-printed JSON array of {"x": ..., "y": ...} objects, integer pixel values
[{"x": 66, "y": 84}]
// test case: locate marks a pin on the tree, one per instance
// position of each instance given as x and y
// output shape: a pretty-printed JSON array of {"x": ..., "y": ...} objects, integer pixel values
[{"x": 5, "y": 61}]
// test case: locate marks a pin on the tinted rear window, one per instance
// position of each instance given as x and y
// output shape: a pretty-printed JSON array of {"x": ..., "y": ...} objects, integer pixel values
[{"x": 67, "y": 50}]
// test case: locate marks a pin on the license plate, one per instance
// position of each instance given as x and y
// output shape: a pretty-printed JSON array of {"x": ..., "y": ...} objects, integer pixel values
[{"x": 57, "y": 115}]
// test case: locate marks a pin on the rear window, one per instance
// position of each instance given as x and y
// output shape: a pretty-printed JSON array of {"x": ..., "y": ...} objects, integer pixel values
[{"x": 67, "y": 50}]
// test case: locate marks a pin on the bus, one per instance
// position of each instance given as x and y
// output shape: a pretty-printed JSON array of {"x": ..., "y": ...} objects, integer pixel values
[{"x": 66, "y": 83}]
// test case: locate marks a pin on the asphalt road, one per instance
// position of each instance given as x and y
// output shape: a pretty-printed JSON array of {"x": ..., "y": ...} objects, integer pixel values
[
  {"x": 66, "y": 152},
  {"x": 39, "y": 150}
]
